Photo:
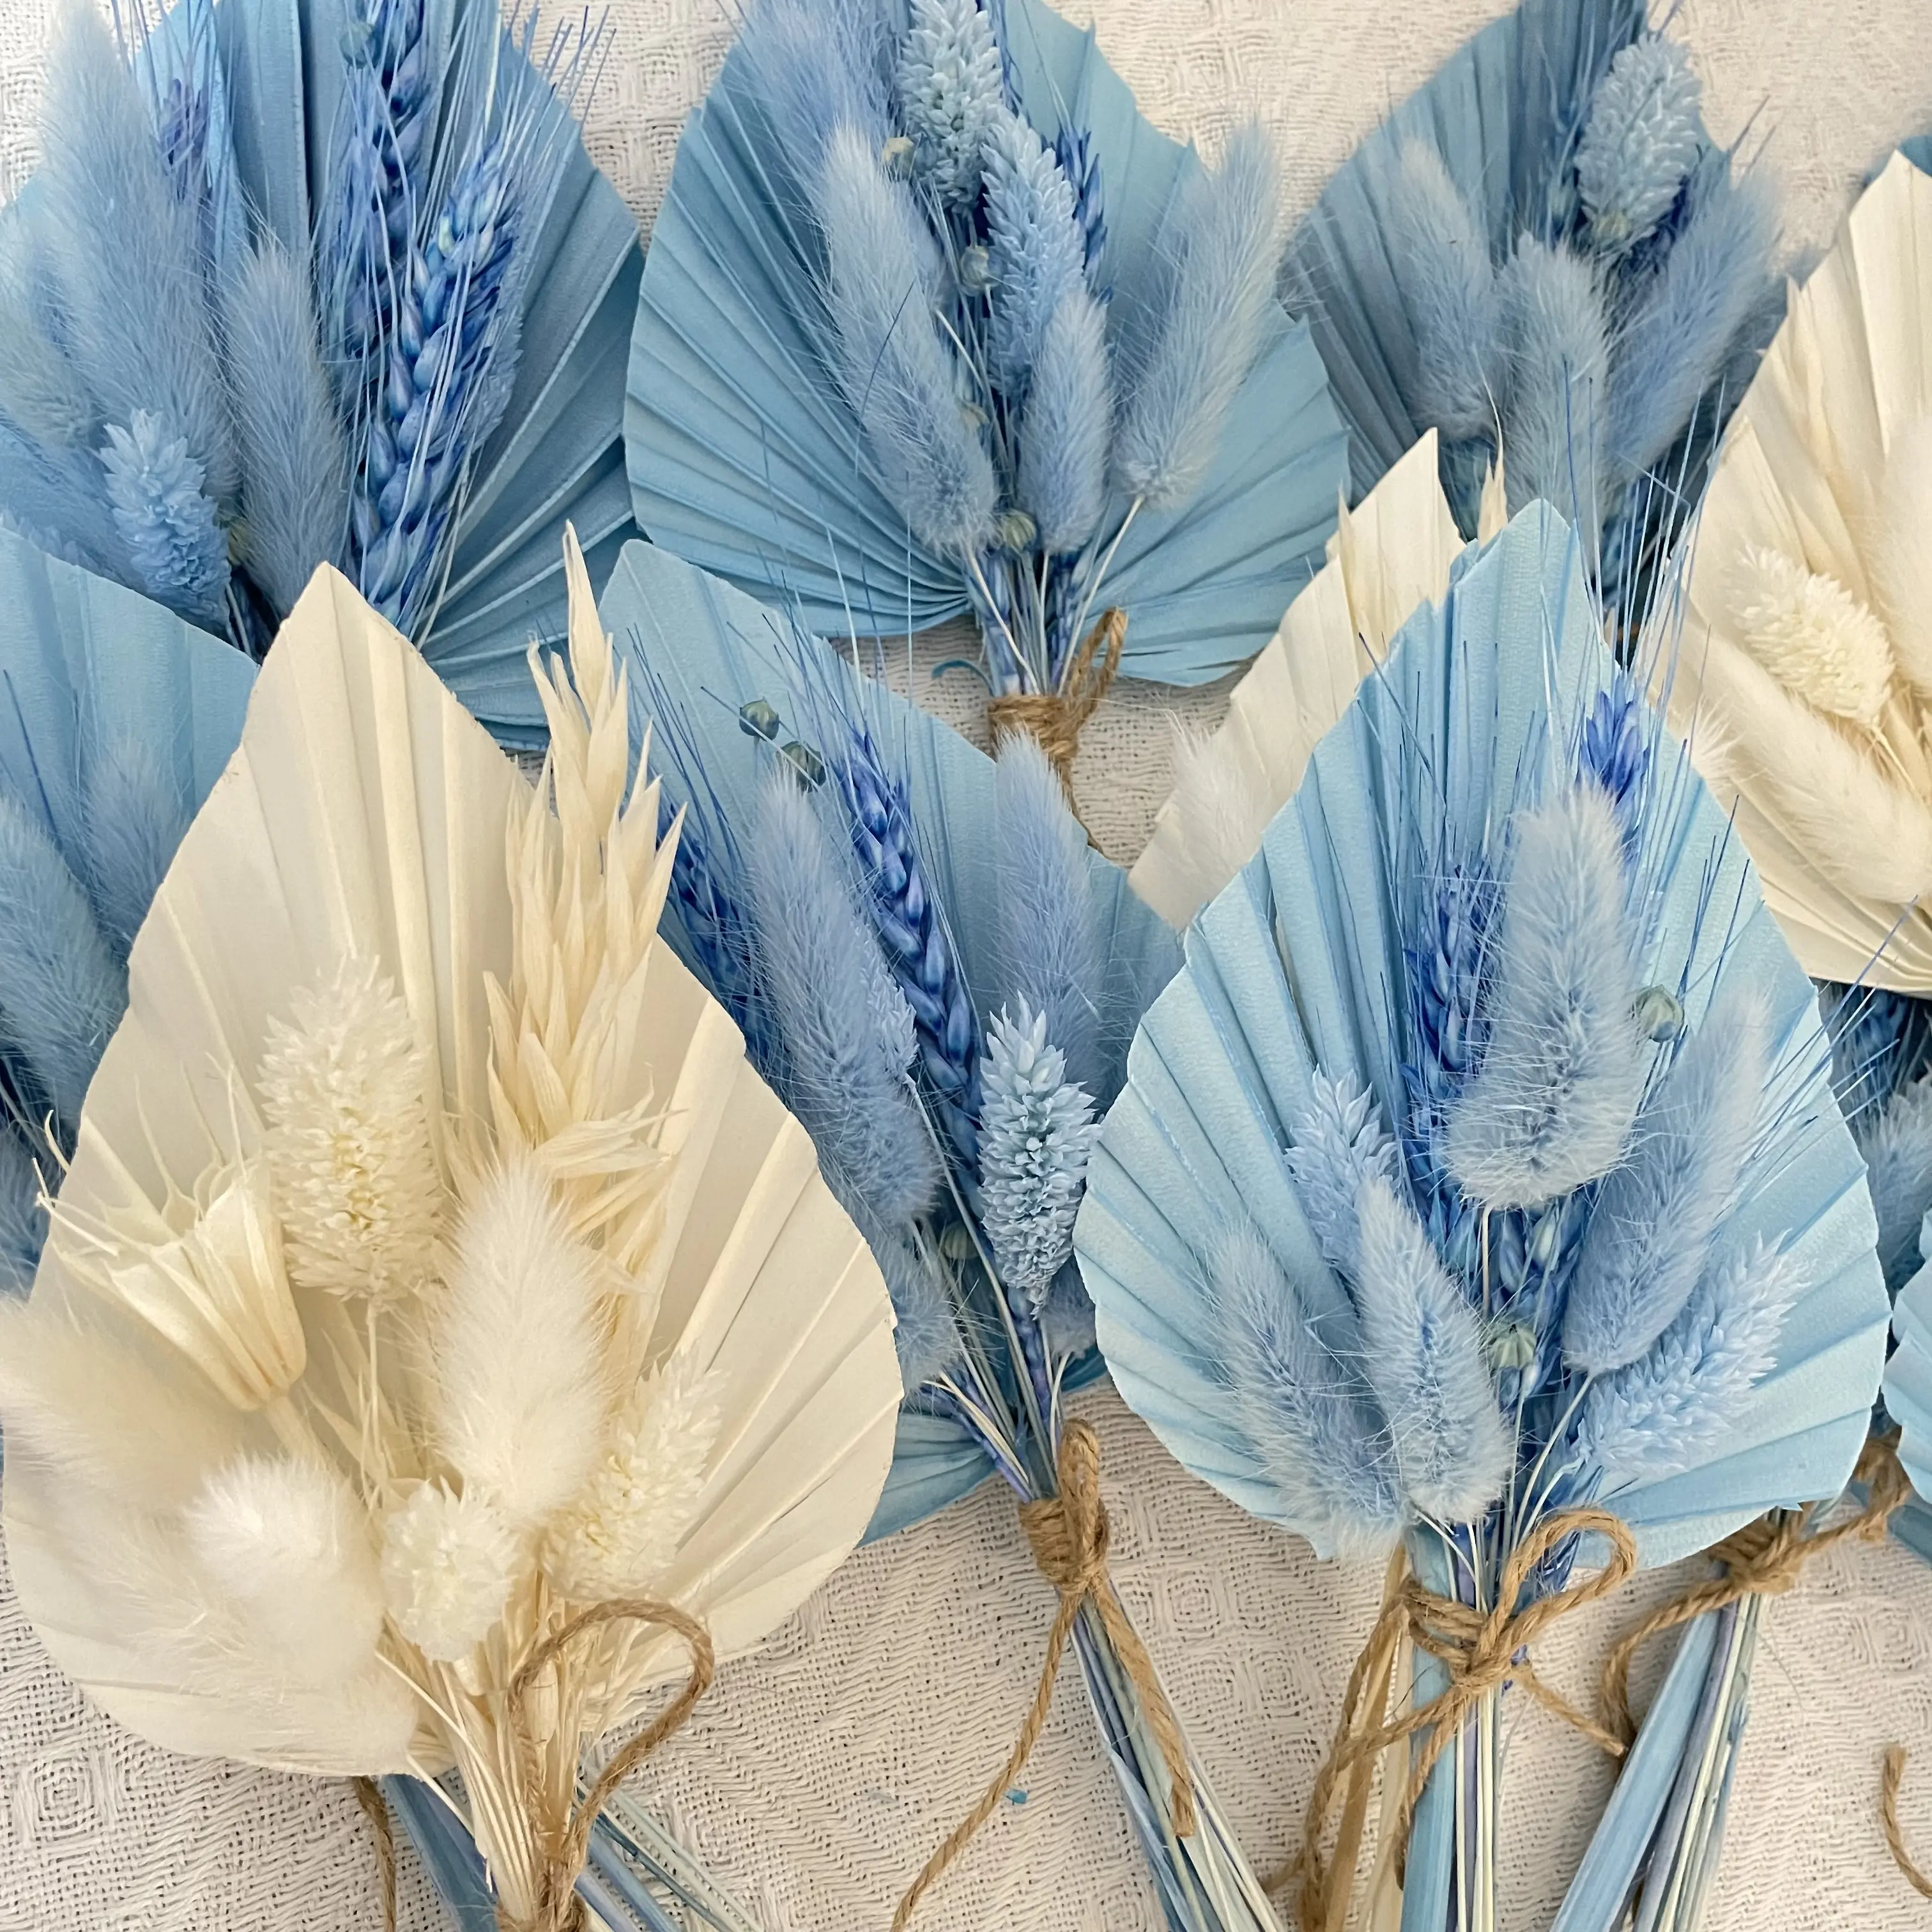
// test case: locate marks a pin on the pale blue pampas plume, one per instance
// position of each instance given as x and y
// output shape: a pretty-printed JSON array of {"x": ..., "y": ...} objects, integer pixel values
[
  {"x": 124, "y": 251},
  {"x": 1550, "y": 1107},
  {"x": 950, "y": 94},
  {"x": 1036, "y": 250},
  {"x": 1036, "y": 1129},
  {"x": 1666, "y": 1411},
  {"x": 1422, "y": 1354},
  {"x": 1678, "y": 335},
  {"x": 1336, "y": 1145},
  {"x": 1301, "y": 1402},
  {"x": 295, "y": 460},
  {"x": 62, "y": 992},
  {"x": 167, "y": 521},
  {"x": 1895, "y": 1138},
  {"x": 1068, "y": 426},
  {"x": 898, "y": 373},
  {"x": 134, "y": 816},
  {"x": 1558, "y": 390},
  {"x": 1220, "y": 286},
  {"x": 1643, "y": 136},
  {"x": 1440, "y": 258},
  {"x": 1651, "y": 1233},
  {"x": 1052, "y": 959}
]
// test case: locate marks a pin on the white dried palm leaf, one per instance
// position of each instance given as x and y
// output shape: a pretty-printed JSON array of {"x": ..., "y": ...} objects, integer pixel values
[
  {"x": 614, "y": 1339},
  {"x": 1389, "y": 555},
  {"x": 1804, "y": 677}
]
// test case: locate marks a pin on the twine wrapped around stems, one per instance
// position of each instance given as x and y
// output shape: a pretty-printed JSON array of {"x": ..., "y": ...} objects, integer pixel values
[
  {"x": 1482, "y": 1651},
  {"x": 558, "y": 1908},
  {"x": 1069, "y": 1536},
  {"x": 1056, "y": 719}
]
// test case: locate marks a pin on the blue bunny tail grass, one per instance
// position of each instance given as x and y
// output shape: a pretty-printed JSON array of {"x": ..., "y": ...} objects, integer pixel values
[
  {"x": 1424, "y": 1358},
  {"x": 846, "y": 1064},
  {"x": 1301, "y": 1403},
  {"x": 898, "y": 373},
  {"x": 1448, "y": 284},
  {"x": 125, "y": 252},
  {"x": 1068, "y": 426},
  {"x": 1895, "y": 1138},
  {"x": 1678, "y": 337},
  {"x": 1655, "y": 1217},
  {"x": 23, "y": 1222},
  {"x": 815, "y": 67},
  {"x": 134, "y": 816},
  {"x": 62, "y": 991},
  {"x": 927, "y": 1335},
  {"x": 1554, "y": 437},
  {"x": 1664, "y": 1412},
  {"x": 1050, "y": 951},
  {"x": 56, "y": 497},
  {"x": 1223, "y": 257},
  {"x": 1550, "y": 1106},
  {"x": 295, "y": 459}
]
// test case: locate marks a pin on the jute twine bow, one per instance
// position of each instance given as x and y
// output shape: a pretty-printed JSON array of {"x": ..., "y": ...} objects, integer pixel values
[
  {"x": 558, "y": 1907},
  {"x": 1765, "y": 1559},
  {"x": 1482, "y": 1651},
  {"x": 1069, "y": 1534},
  {"x": 1056, "y": 719}
]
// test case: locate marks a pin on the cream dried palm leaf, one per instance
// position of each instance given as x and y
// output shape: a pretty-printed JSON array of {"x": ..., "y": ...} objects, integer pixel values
[
  {"x": 1803, "y": 675},
  {"x": 432, "y": 1213},
  {"x": 1389, "y": 555}
]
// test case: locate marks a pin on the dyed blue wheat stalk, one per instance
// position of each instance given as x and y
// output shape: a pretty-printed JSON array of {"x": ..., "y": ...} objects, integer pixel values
[
  {"x": 917, "y": 947},
  {"x": 1080, "y": 163}
]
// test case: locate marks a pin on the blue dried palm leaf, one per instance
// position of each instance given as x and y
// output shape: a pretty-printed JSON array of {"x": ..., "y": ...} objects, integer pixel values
[
  {"x": 542, "y": 442},
  {"x": 712, "y": 650},
  {"x": 1300, "y": 963},
  {"x": 115, "y": 718},
  {"x": 746, "y": 457}
]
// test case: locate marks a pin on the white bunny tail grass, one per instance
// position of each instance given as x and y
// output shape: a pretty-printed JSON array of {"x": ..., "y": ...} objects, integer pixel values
[
  {"x": 520, "y": 1355},
  {"x": 1551, "y": 1106},
  {"x": 286, "y": 1541},
  {"x": 77, "y": 1396}
]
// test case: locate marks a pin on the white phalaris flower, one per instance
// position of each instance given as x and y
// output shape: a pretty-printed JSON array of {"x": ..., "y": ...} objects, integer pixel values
[
  {"x": 623, "y": 1532},
  {"x": 205, "y": 1271},
  {"x": 448, "y": 1559},
  {"x": 344, "y": 1084},
  {"x": 1821, "y": 643}
]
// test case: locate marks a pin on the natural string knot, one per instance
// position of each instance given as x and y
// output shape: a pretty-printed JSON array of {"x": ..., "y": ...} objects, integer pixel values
[
  {"x": 565, "y": 1842},
  {"x": 1765, "y": 1559},
  {"x": 1481, "y": 1651},
  {"x": 1893, "y": 1777},
  {"x": 1056, "y": 719},
  {"x": 369, "y": 1796},
  {"x": 1070, "y": 1535}
]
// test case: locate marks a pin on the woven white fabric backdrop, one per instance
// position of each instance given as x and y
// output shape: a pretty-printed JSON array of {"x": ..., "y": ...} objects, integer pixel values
[{"x": 822, "y": 1770}]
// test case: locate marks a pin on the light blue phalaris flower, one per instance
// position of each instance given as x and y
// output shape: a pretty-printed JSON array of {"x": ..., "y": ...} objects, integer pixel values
[
  {"x": 949, "y": 93},
  {"x": 1643, "y": 137},
  {"x": 1036, "y": 1129},
  {"x": 165, "y": 518}
]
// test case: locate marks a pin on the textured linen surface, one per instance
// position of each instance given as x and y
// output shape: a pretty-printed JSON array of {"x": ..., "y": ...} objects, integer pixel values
[{"x": 821, "y": 1770}]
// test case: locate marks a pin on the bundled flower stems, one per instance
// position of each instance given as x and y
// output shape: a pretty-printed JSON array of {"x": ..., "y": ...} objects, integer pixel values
[
  {"x": 1536, "y": 1265},
  {"x": 975, "y": 339},
  {"x": 941, "y": 978},
  {"x": 445, "y": 1338}
]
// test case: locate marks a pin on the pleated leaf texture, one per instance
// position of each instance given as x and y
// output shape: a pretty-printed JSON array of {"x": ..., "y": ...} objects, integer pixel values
[
  {"x": 746, "y": 457},
  {"x": 715, "y": 658},
  {"x": 1299, "y": 965},
  {"x": 359, "y": 846},
  {"x": 118, "y": 718},
  {"x": 324, "y": 280},
  {"x": 1807, "y": 660},
  {"x": 1543, "y": 244},
  {"x": 1392, "y": 553}
]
